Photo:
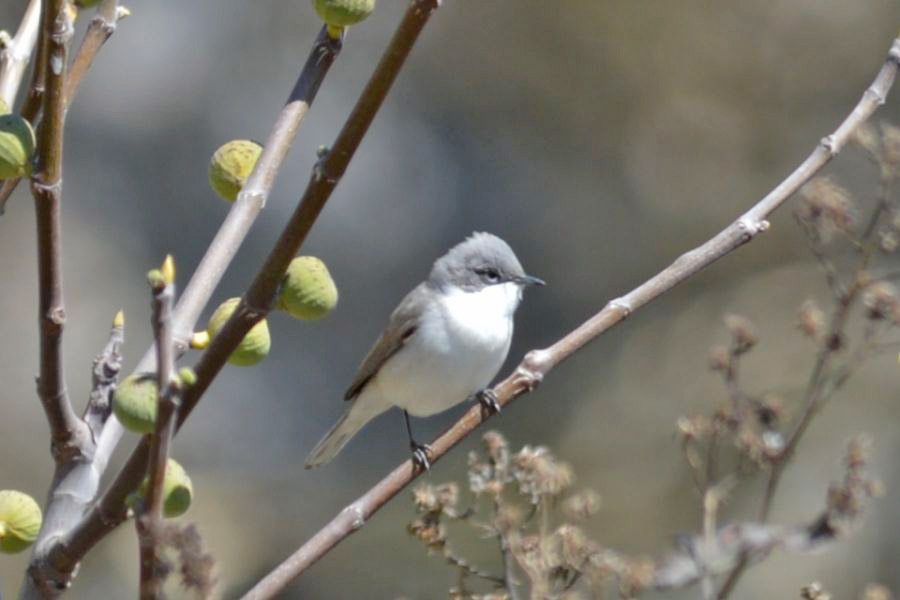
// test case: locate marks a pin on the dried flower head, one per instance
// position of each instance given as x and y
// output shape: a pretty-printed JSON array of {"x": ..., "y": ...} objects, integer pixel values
[
  {"x": 812, "y": 319},
  {"x": 880, "y": 300},
  {"x": 888, "y": 240},
  {"x": 890, "y": 140},
  {"x": 814, "y": 591},
  {"x": 826, "y": 207},
  {"x": 539, "y": 474},
  {"x": 876, "y": 591},
  {"x": 497, "y": 448},
  {"x": 694, "y": 427},
  {"x": 582, "y": 505},
  {"x": 742, "y": 331}
]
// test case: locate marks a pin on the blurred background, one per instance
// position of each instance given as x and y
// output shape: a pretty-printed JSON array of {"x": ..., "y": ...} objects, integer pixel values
[{"x": 601, "y": 139}]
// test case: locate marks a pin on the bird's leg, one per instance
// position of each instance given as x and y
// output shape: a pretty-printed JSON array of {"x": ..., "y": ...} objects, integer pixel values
[
  {"x": 489, "y": 401},
  {"x": 419, "y": 451}
]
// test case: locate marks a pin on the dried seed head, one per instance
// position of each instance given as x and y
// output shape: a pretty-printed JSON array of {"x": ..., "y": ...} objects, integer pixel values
[
  {"x": 719, "y": 358},
  {"x": 876, "y": 591},
  {"x": 888, "y": 240},
  {"x": 826, "y": 206},
  {"x": 582, "y": 505},
  {"x": 880, "y": 300},
  {"x": 743, "y": 333},
  {"x": 540, "y": 474},
  {"x": 812, "y": 319},
  {"x": 814, "y": 591}
]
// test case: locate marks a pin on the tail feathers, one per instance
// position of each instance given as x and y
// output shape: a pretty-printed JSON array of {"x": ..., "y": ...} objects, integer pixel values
[{"x": 353, "y": 419}]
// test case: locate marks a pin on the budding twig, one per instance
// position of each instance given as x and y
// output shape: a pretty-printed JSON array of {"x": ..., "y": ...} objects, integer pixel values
[
  {"x": 17, "y": 52},
  {"x": 149, "y": 521}
]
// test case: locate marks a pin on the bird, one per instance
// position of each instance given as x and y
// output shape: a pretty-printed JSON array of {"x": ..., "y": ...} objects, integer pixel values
[{"x": 443, "y": 344}]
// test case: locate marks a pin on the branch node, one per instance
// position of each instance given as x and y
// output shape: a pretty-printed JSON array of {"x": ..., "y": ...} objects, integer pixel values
[
  {"x": 753, "y": 227},
  {"x": 357, "y": 517},
  {"x": 622, "y": 305},
  {"x": 830, "y": 143}
]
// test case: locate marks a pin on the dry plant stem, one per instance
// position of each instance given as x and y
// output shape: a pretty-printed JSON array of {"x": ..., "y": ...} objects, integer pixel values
[
  {"x": 58, "y": 551},
  {"x": 538, "y": 363},
  {"x": 149, "y": 522},
  {"x": 69, "y": 434},
  {"x": 15, "y": 56},
  {"x": 101, "y": 27}
]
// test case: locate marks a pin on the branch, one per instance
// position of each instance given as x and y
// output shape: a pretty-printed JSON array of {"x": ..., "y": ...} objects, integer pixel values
[
  {"x": 106, "y": 369},
  {"x": 69, "y": 434},
  {"x": 101, "y": 27},
  {"x": 69, "y": 532},
  {"x": 149, "y": 521},
  {"x": 538, "y": 363},
  {"x": 16, "y": 53}
]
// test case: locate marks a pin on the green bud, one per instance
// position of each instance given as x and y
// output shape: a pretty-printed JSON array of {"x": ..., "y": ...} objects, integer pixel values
[
  {"x": 135, "y": 403},
  {"x": 20, "y": 521},
  {"x": 307, "y": 289},
  {"x": 255, "y": 345},
  {"x": 231, "y": 165},
  {"x": 187, "y": 376},
  {"x": 16, "y": 146}
]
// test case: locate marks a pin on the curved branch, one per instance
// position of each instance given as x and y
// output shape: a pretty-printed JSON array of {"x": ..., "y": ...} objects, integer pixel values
[{"x": 538, "y": 363}]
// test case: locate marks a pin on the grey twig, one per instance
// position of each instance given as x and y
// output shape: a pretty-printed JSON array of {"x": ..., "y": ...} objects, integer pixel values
[{"x": 538, "y": 363}]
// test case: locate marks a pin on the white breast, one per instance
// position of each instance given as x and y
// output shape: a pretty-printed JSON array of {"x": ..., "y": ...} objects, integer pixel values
[{"x": 456, "y": 351}]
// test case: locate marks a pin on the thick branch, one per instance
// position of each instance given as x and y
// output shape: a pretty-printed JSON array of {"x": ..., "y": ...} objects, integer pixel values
[
  {"x": 69, "y": 434},
  {"x": 16, "y": 53},
  {"x": 538, "y": 363},
  {"x": 59, "y": 549}
]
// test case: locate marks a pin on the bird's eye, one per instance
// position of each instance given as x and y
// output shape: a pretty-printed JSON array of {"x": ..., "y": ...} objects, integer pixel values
[{"x": 489, "y": 274}]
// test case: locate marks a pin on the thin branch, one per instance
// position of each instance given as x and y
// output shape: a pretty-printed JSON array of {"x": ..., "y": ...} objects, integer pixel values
[
  {"x": 538, "y": 363},
  {"x": 69, "y": 434},
  {"x": 106, "y": 369},
  {"x": 101, "y": 27},
  {"x": 149, "y": 521},
  {"x": 17, "y": 52},
  {"x": 60, "y": 547}
]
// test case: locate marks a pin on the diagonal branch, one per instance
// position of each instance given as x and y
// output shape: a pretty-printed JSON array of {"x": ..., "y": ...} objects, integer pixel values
[
  {"x": 538, "y": 363},
  {"x": 69, "y": 434}
]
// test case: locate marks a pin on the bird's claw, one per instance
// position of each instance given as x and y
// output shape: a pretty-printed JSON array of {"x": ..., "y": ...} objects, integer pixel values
[
  {"x": 420, "y": 455},
  {"x": 489, "y": 401}
]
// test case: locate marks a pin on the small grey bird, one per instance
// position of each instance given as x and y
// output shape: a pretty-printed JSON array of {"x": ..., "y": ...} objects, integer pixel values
[{"x": 443, "y": 344}]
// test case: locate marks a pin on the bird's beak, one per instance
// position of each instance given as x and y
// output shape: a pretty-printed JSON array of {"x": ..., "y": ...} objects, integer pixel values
[{"x": 528, "y": 280}]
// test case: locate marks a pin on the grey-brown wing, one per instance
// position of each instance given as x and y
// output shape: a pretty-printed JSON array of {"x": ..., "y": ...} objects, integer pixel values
[{"x": 401, "y": 326}]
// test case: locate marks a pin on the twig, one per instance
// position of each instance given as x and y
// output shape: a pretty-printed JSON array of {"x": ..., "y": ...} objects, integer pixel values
[
  {"x": 149, "y": 521},
  {"x": 106, "y": 369},
  {"x": 538, "y": 363},
  {"x": 75, "y": 528},
  {"x": 16, "y": 52},
  {"x": 101, "y": 27},
  {"x": 69, "y": 434}
]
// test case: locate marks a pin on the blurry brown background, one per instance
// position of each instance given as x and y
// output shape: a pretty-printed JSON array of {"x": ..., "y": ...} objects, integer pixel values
[{"x": 599, "y": 137}]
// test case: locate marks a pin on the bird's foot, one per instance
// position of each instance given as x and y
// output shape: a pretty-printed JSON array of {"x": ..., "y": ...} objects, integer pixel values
[
  {"x": 420, "y": 454},
  {"x": 489, "y": 401}
]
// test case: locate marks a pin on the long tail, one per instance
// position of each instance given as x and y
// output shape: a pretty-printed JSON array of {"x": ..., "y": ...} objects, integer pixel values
[{"x": 360, "y": 412}]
